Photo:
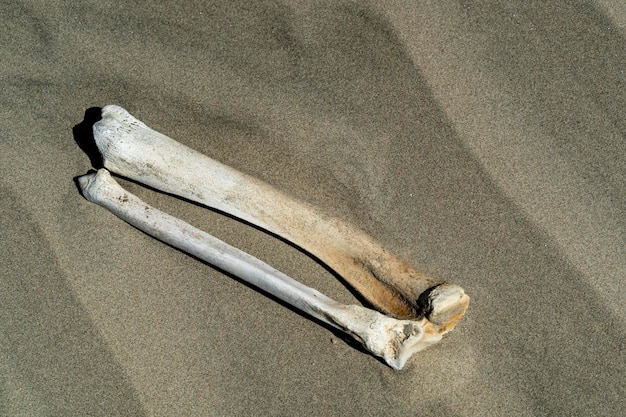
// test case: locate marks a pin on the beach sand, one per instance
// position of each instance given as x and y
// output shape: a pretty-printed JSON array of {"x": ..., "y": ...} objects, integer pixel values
[{"x": 484, "y": 144}]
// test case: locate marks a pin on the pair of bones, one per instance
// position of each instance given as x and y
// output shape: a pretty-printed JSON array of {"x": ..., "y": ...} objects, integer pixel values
[{"x": 415, "y": 311}]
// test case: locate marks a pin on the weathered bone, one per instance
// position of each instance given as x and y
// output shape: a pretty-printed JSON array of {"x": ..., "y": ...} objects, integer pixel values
[
  {"x": 391, "y": 339},
  {"x": 133, "y": 150}
]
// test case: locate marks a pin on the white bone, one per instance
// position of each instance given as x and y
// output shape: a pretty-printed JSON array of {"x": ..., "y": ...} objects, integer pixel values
[
  {"x": 133, "y": 150},
  {"x": 391, "y": 339}
]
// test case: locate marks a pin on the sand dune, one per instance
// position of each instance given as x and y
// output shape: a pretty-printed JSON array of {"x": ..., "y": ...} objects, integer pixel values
[{"x": 482, "y": 143}]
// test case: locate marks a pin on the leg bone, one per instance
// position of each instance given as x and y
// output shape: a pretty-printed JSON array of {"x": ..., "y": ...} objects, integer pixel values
[
  {"x": 132, "y": 149},
  {"x": 391, "y": 339}
]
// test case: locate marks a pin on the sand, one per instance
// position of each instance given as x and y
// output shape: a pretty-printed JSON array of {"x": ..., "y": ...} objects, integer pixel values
[{"x": 484, "y": 144}]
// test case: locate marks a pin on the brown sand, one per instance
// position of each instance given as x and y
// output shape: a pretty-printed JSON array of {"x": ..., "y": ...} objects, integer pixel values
[{"x": 485, "y": 144}]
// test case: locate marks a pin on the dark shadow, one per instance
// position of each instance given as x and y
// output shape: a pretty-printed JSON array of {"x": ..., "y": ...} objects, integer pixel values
[{"x": 83, "y": 136}]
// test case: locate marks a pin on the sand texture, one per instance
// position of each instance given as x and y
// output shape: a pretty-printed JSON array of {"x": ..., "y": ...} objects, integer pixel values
[{"x": 484, "y": 143}]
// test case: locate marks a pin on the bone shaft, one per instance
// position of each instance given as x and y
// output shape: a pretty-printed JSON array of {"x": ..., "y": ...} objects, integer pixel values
[{"x": 100, "y": 188}]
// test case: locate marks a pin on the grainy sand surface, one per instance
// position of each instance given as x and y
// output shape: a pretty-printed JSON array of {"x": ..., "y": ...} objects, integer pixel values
[{"x": 485, "y": 143}]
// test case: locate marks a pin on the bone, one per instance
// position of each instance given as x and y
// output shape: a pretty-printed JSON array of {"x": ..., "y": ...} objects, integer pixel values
[
  {"x": 133, "y": 150},
  {"x": 395, "y": 341}
]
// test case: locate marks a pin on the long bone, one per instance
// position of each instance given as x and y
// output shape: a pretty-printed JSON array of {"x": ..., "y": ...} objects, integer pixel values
[
  {"x": 133, "y": 150},
  {"x": 391, "y": 339}
]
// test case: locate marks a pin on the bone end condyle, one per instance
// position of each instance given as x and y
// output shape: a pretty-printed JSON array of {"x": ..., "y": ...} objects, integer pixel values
[
  {"x": 92, "y": 183},
  {"x": 444, "y": 305}
]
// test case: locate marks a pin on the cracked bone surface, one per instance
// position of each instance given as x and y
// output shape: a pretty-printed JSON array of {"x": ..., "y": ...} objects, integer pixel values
[
  {"x": 391, "y": 339},
  {"x": 133, "y": 150}
]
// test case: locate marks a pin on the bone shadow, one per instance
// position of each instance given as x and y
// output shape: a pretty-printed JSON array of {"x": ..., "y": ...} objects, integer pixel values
[{"x": 83, "y": 136}]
